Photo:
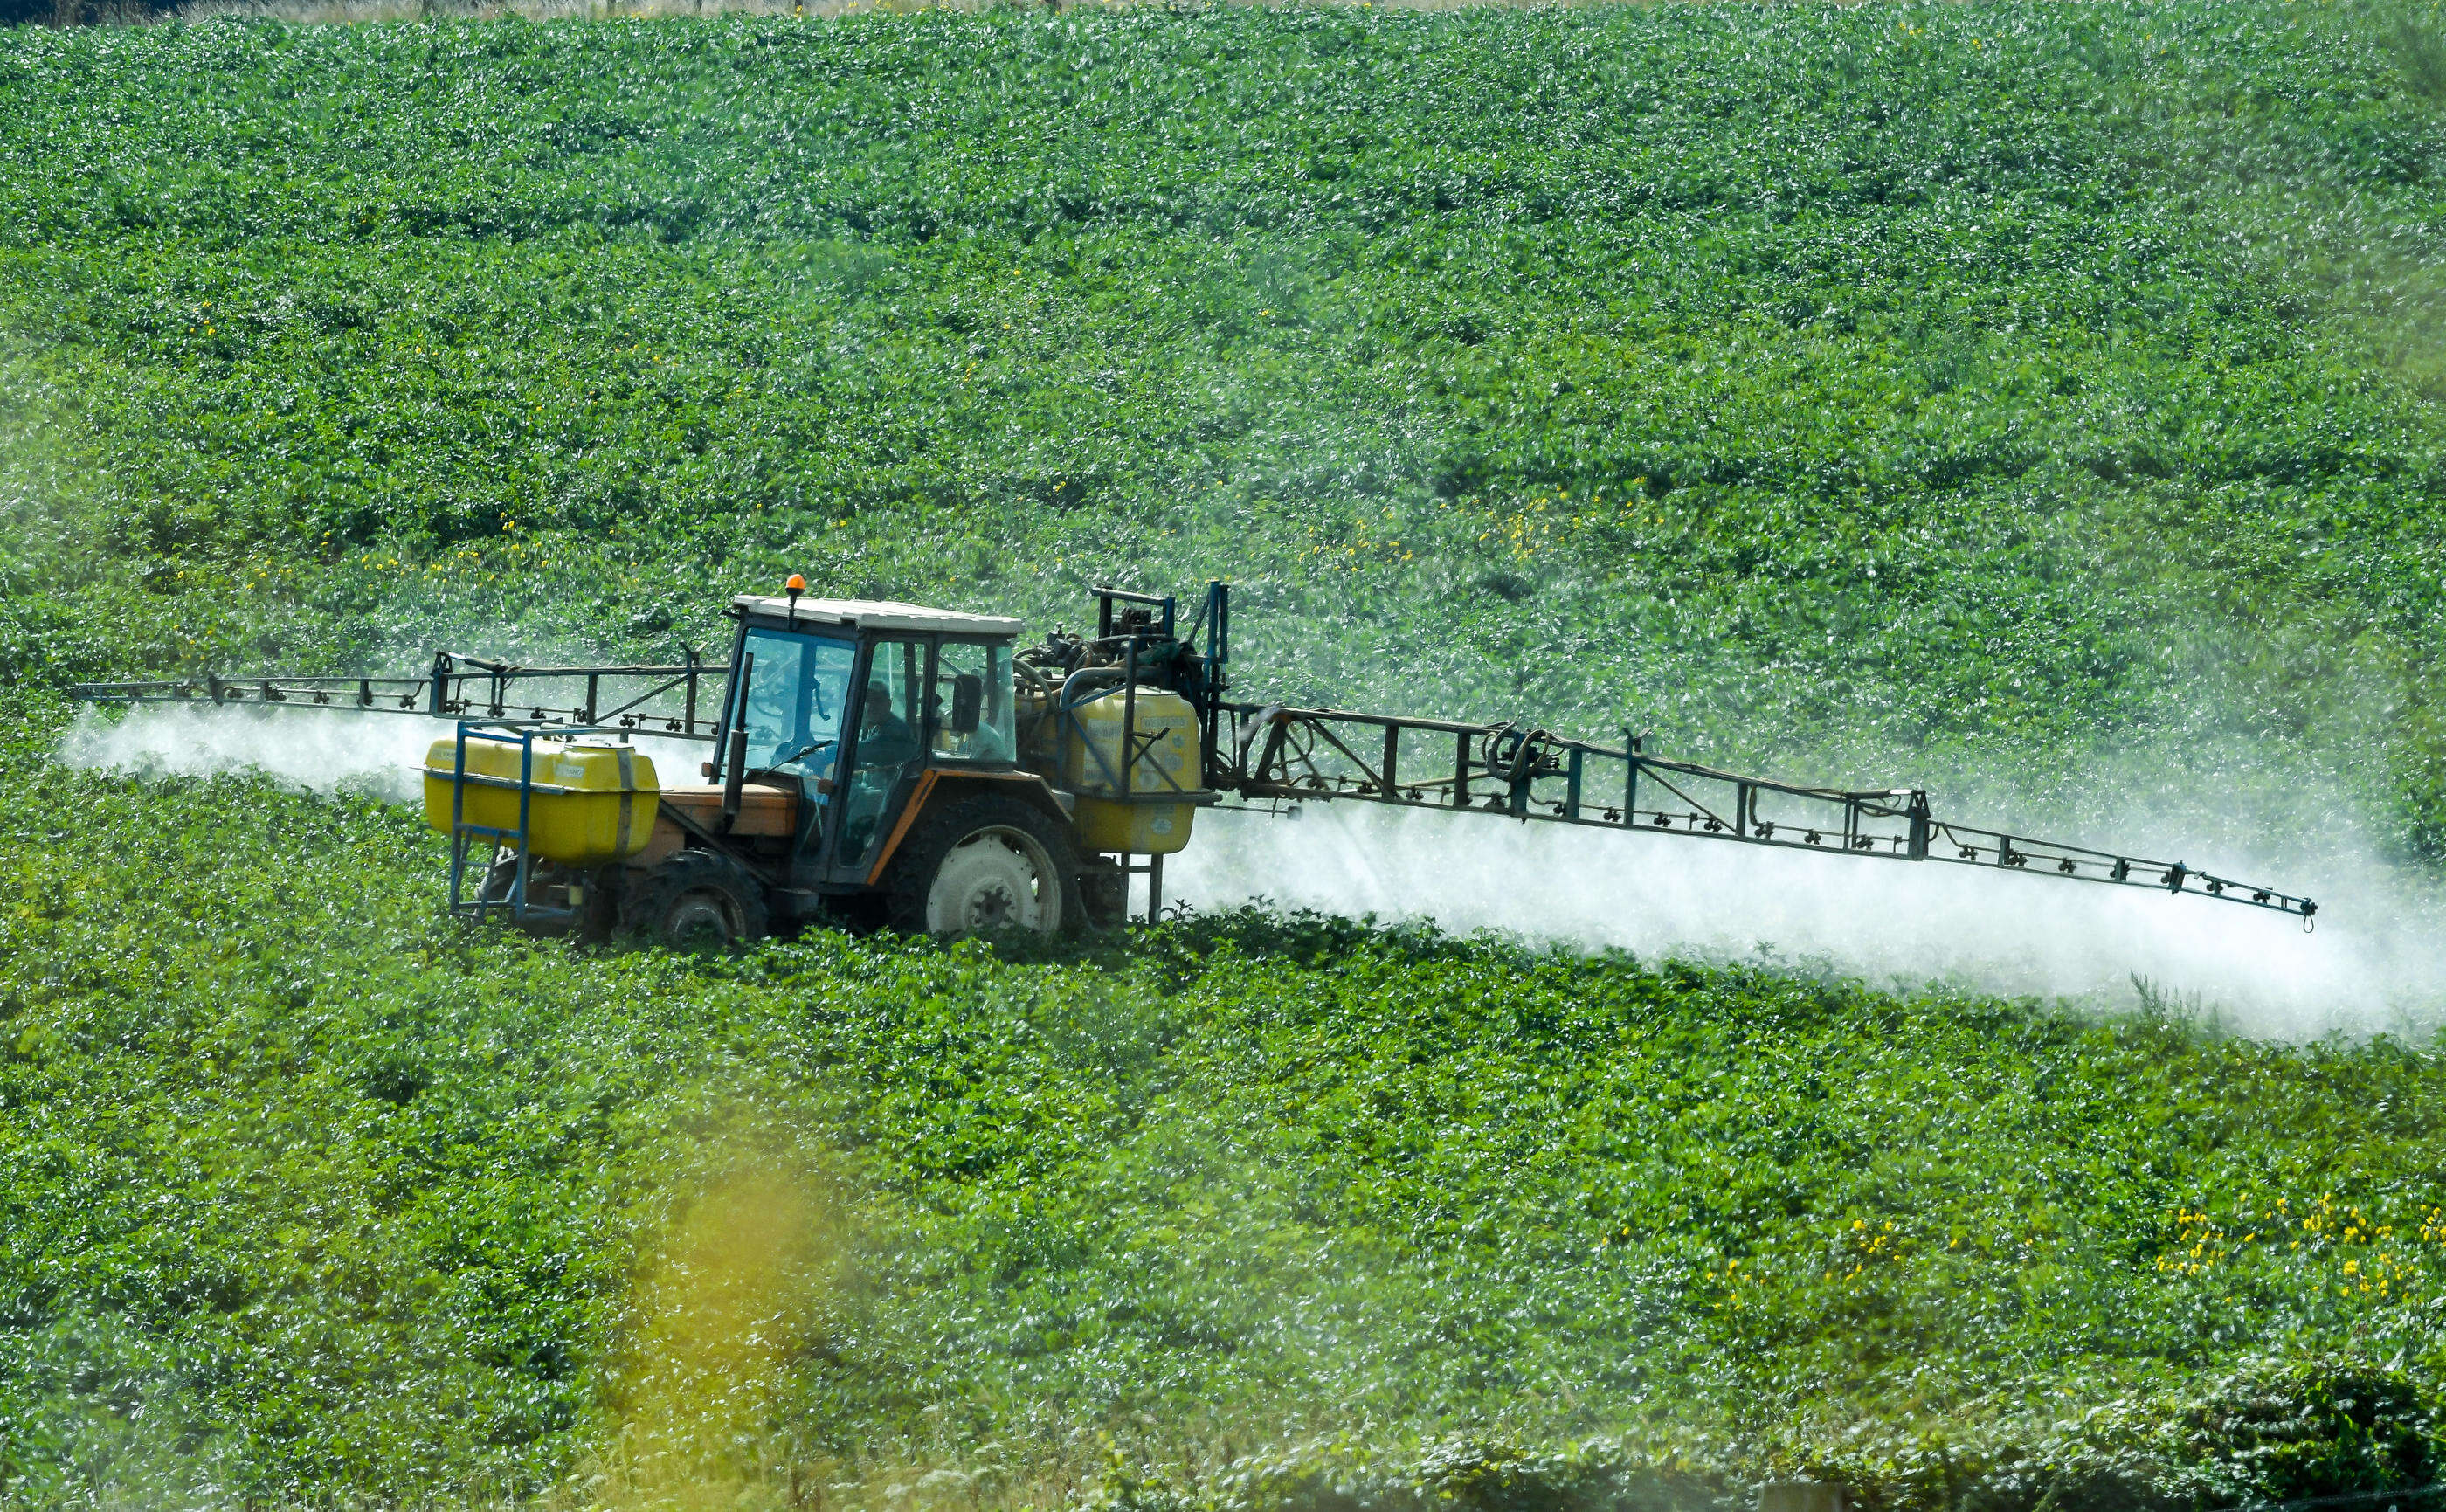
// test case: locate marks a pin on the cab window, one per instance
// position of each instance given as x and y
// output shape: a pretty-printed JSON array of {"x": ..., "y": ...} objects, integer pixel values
[
  {"x": 796, "y": 692},
  {"x": 970, "y": 706}
]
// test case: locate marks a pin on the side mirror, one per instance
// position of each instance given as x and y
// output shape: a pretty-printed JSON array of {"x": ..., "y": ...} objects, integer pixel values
[{"x": 967, "y": 702}]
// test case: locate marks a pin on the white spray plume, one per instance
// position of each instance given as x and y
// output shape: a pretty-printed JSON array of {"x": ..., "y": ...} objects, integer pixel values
[
  {"x": 321, "y": 750},
  {"x": 2375, "y": 962}
]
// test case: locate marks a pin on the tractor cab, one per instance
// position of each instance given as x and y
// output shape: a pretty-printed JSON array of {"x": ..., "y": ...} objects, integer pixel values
[{"x": 843, "y": 710}]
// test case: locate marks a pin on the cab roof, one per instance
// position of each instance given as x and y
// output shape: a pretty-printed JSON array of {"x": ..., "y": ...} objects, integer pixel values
[{"x": 878, "y": 614}]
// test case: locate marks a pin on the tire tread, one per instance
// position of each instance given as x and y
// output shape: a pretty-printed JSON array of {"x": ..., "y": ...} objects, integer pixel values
[
  {"x": 911, "y": 874},
  {"x": 647, "y": 899}
]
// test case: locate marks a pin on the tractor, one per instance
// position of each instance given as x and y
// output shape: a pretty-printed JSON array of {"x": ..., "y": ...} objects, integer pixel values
[{"x": 885, "y": 765}]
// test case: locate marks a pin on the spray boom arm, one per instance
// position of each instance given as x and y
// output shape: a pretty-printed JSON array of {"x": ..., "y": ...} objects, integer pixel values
[
  {"x": 673, "y": 702},
  {"x": 1278, "y": 755},
  {"x": 1281, "y": 754}
]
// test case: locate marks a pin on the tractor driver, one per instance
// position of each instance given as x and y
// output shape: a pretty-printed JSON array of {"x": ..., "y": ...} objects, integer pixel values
[{"x": 883, "y": 737}]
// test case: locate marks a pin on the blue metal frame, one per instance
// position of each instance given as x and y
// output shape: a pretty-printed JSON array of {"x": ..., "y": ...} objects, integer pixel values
[{"x": 522, "y": 734}]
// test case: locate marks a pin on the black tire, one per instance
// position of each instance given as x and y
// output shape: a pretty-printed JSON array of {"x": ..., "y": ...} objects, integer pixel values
[
  {"x": 693, "y": 897},
  {"x": 1030, "y": 882}
]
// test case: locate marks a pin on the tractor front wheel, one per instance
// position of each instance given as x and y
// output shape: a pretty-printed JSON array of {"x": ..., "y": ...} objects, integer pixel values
[
  {"x": 695, "y": 896},
  {"x": 986, "y": 863}
]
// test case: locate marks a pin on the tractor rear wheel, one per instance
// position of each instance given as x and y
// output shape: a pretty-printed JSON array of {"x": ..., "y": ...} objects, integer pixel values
[
  {"x": 695, "y": 896},
  {"x": 985, "y": 863}
]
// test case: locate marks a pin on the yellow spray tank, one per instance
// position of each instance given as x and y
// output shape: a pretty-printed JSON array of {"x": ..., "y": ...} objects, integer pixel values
[
  {"x": 1150, "y": 815},
  {"x": 591, "y": 804}
]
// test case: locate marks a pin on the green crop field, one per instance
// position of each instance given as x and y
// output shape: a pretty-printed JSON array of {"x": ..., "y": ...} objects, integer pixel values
[{"x": 2041, "y": 398}]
